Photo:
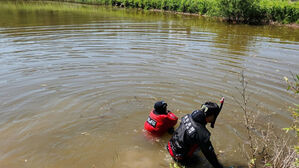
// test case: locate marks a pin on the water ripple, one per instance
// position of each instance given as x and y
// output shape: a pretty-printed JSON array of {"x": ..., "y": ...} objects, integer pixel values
[{"x": 57, "y": 81}]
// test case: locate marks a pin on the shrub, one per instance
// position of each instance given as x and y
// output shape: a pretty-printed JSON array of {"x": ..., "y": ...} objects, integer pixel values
[
  {"x": 280, "y": 10},
  {"x": 245, "y": 11}
]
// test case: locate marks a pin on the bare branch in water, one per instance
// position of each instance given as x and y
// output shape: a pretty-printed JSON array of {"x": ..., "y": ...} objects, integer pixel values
[{"x": 267, "y": 149}]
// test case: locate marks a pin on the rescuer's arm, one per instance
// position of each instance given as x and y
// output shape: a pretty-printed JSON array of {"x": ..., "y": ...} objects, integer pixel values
[
  {"x": 171, "y": 121},
  {"x": 208, "y": 151},
  {"x": 172, "y": 118}
]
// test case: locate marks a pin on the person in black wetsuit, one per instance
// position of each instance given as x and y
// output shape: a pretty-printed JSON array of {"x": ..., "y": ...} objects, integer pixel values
[{"x": 192, "y": 133}]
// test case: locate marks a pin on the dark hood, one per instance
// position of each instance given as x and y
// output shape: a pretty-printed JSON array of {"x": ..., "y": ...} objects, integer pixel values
[
  {"x": 199, "y": 117},
  {"x": 160, "y": 107}
]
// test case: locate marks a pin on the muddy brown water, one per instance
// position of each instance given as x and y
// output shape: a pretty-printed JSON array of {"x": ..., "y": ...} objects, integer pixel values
[{"x": 77, "y": 83}]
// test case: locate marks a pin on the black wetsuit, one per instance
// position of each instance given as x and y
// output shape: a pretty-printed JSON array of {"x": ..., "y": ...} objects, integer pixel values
[{"x": 192, "y": 133}]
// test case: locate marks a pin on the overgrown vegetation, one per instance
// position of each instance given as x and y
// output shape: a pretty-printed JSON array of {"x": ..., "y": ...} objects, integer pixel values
[
  {"x": 257, "y": 11},
  {"x": 266, "y": 147},
  {"x": 294, "y": 87},
  {"x": 245, "y": 11}
]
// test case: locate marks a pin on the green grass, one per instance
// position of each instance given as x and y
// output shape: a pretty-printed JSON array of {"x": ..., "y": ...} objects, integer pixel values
[
  {"x": 244, "y": 11},
  {"x": 44, "y": 6}
]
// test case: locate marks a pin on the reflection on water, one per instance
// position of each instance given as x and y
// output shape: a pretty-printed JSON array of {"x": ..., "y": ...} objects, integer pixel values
[{"x": 77, "y": 83}]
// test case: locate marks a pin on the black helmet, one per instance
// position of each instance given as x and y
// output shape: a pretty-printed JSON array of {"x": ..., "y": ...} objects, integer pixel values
[
  {"x": 160, "y": 107},
  {"x": 210, "y": 108}
]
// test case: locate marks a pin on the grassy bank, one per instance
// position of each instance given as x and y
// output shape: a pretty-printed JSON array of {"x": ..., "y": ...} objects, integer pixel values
[{"x": 245, "y": 11}]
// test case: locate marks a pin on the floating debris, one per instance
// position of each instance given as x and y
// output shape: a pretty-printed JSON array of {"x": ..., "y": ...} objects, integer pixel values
[{"x": 85, "y": 133}]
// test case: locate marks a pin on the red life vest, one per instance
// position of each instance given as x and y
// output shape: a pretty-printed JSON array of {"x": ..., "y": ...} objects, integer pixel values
[{"x": 159, "y": 124}]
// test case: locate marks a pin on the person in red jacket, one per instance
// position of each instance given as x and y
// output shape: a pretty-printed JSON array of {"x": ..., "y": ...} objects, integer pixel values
[{"x": 160, "y": 120}]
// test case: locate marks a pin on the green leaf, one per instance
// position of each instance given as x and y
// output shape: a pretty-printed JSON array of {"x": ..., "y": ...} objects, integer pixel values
[
  {"x": 286, "y": 129},
  {"x": 268, "y": 164},
  {"x": 286, "y": 79},
  {"x": 252, "y": 161}
]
